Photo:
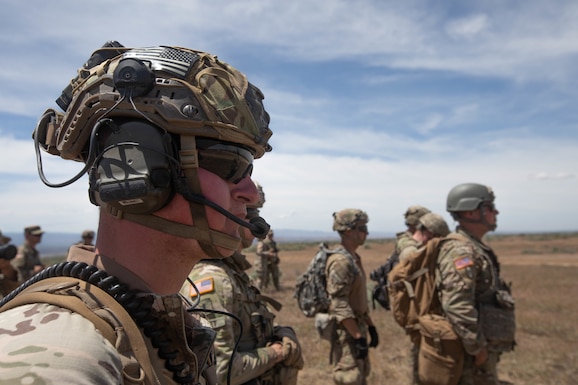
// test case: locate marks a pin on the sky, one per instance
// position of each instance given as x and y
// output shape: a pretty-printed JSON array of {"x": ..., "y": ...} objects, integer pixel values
[{"x": 377, "y": 105}]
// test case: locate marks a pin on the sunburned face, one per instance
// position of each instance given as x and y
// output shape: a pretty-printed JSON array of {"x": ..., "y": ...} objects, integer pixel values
[{"x": 232, "y": 197}]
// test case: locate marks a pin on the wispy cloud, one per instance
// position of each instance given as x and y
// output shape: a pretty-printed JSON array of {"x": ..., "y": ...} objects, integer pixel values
[{"x": 377, "y": 104}]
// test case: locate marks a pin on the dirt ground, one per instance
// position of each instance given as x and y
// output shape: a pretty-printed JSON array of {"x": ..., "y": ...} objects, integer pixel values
[{"x": 542, "y": 267}]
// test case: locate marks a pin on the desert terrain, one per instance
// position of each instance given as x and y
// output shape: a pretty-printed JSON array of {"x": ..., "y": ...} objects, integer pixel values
[{"x": 543, "y": 269}]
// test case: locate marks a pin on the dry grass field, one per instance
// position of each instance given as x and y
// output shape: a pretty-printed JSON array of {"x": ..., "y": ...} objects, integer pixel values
[{"x": 544, "y": 272}]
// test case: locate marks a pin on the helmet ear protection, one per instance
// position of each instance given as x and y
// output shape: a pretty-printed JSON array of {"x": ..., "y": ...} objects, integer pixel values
[{"x": 134, "y": 171}]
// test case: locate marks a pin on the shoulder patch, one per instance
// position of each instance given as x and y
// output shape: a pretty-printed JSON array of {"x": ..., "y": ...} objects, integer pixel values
[
  {"x": 463, "y": 262},
  {"x": 205, "y": 285}
]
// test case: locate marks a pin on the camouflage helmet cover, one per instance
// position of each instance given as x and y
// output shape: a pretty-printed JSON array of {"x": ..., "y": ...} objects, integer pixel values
[
  {"x": 261, "y": 200},
  {"x": 189, "y": 93},
  {"x": 413, "y": 213},
  {"x": 468, "y": 196},
  {"x": 348, "y": 218},
  {"x": 435, "y": 224}
]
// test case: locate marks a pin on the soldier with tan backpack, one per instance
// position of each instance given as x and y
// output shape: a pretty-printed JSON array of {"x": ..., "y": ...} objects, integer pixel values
[{"x": 451, "y": 300}]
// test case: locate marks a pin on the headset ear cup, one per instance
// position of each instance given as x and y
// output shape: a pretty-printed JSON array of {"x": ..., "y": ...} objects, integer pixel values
[{"x": 133, "y": 173}]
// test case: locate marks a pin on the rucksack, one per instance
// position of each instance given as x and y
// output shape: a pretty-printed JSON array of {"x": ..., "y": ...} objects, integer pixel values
[
  {"x": 412, "y": 289},
  {"x": 379, "y": 292},
  {"x": 311, "y": 286}
]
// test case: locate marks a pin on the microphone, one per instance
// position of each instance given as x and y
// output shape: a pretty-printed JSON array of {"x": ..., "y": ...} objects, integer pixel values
[
  {"x": 260, "y": 228},
  {"x": 257, "y": 225}
]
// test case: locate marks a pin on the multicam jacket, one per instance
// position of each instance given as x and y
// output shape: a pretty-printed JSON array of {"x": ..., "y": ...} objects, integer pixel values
[
  {"x": 346, "y": 286},
  {"x": 224, "y": 286},
  {"x": 404, "y": 239},
  {"x": 42, "y": 343},
  {"x": 468, "y": 278},
  {"x": 25, "y": 260}
]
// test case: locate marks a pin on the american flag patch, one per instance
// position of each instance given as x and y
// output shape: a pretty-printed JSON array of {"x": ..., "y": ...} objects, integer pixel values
[
  {"x": 173, "y": 60},
  {"x": 205, "y": 285},
  {"x": 463, "y": 262}
]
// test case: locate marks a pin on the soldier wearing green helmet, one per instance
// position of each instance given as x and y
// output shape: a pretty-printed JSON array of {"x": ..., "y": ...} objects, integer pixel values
[
  {"x": 474, "y": 297},
  {"x": 167, "y": 136}
]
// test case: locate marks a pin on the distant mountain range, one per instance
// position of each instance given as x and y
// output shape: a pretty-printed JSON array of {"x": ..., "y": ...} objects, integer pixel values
[{"x": 54, "y": 244}]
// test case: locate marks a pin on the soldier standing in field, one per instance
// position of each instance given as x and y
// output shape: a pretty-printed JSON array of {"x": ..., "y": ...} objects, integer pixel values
[
  {"x": 268, "y": 354},
  {"x": 8, "y": 275},
  {"x": 405, "y": 238},
  {"x": 27, "y": 261},
  {"x": 346, "y": 286},
  {"x": 86, "y": 238},
  {"x": 268, "y": 253},
  {"x": 429, "y": 226},
  {"x": 474, "y": 297},
  {"x": 168, "y": 136}
]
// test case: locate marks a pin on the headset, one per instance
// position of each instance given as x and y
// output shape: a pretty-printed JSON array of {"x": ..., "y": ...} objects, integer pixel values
[{"x": 132, "y": 162}]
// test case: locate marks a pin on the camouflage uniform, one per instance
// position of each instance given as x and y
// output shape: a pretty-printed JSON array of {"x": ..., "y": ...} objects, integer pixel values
[
  {"x": 25, "y": 260},
  {"x": 39, "y": 342},
  {"x": 404, "y": 239},
  {"x": 346, "y": 285},
  {"x": 224, "y": 286},
  {"x": 470, "y": 290},
  {"x": 267, "y": 254}
]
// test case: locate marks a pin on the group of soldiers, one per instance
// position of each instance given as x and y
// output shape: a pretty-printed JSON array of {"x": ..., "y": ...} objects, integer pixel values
[
  {"x": 24, "y": 262},
  {"x": 168, "y": 136}
]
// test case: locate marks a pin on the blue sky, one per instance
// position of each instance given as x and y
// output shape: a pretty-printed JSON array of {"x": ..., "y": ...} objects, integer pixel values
[{"x": 375, "y": 104}]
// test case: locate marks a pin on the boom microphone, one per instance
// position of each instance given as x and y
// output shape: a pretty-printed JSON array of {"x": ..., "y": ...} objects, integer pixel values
[{"x": 257, "y": 225}]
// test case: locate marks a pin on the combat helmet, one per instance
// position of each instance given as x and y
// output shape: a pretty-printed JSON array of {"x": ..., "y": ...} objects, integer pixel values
[
  {"x": 170, "y": 111},
  {"x": 413, "y": 213},
  {"x": 435, "y": 224},
  {"x": 468, "y": 196},
  {"x": 347, "y": 219}
]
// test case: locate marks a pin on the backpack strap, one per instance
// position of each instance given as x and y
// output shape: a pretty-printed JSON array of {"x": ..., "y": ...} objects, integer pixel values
[{"x": 107, "y": 316}]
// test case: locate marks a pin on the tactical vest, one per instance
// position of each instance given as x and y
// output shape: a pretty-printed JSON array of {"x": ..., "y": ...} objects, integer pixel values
[{"x": 125, "y": 320}]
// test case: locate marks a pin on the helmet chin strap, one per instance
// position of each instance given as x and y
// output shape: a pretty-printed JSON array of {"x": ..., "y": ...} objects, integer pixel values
[
  {"x": 188, "y": 156},
  {"x": 482, "y": 220},
  {"x": 178, "y": 229},
  {"x": 188, "y": 186}
]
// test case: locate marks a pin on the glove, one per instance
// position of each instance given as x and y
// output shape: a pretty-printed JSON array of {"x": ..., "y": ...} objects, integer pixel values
[
  {"x": 291, "y": 347},
  {"x": 374, "y": 341},
  {"x": 361, "y": 348}
]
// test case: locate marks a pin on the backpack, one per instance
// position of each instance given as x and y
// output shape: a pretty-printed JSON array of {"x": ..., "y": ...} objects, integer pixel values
[
  {"x": 412, "y": 289},
  {"x": 310, "y": 287},
  {"x": 379, "y": 292}
]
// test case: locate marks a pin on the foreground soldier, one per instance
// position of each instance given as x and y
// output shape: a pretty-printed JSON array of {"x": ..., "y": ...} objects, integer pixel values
[
  {"x": 169, "y": 135},
  {"x": 268, "y": 354},
  {"x": 474, "y": 298},
  {"x": 346, "y": 286}
]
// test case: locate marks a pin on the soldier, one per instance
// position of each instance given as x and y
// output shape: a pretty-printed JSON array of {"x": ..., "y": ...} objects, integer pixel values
[
  {"x": 168, "y": 135},
  {"x": 27, "y": 261},
  {"x": 346, "y": 286},
  {"x": 429, "y": 226},
  {"x": 474, "y": 298},
  {"x": 268, "y": 354},
  {"x": 268, "y": 254},
  {"x": 405, "y": 238},
  {"x": 8, "y": 275},
  {"x": 87, "y": 238}
]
